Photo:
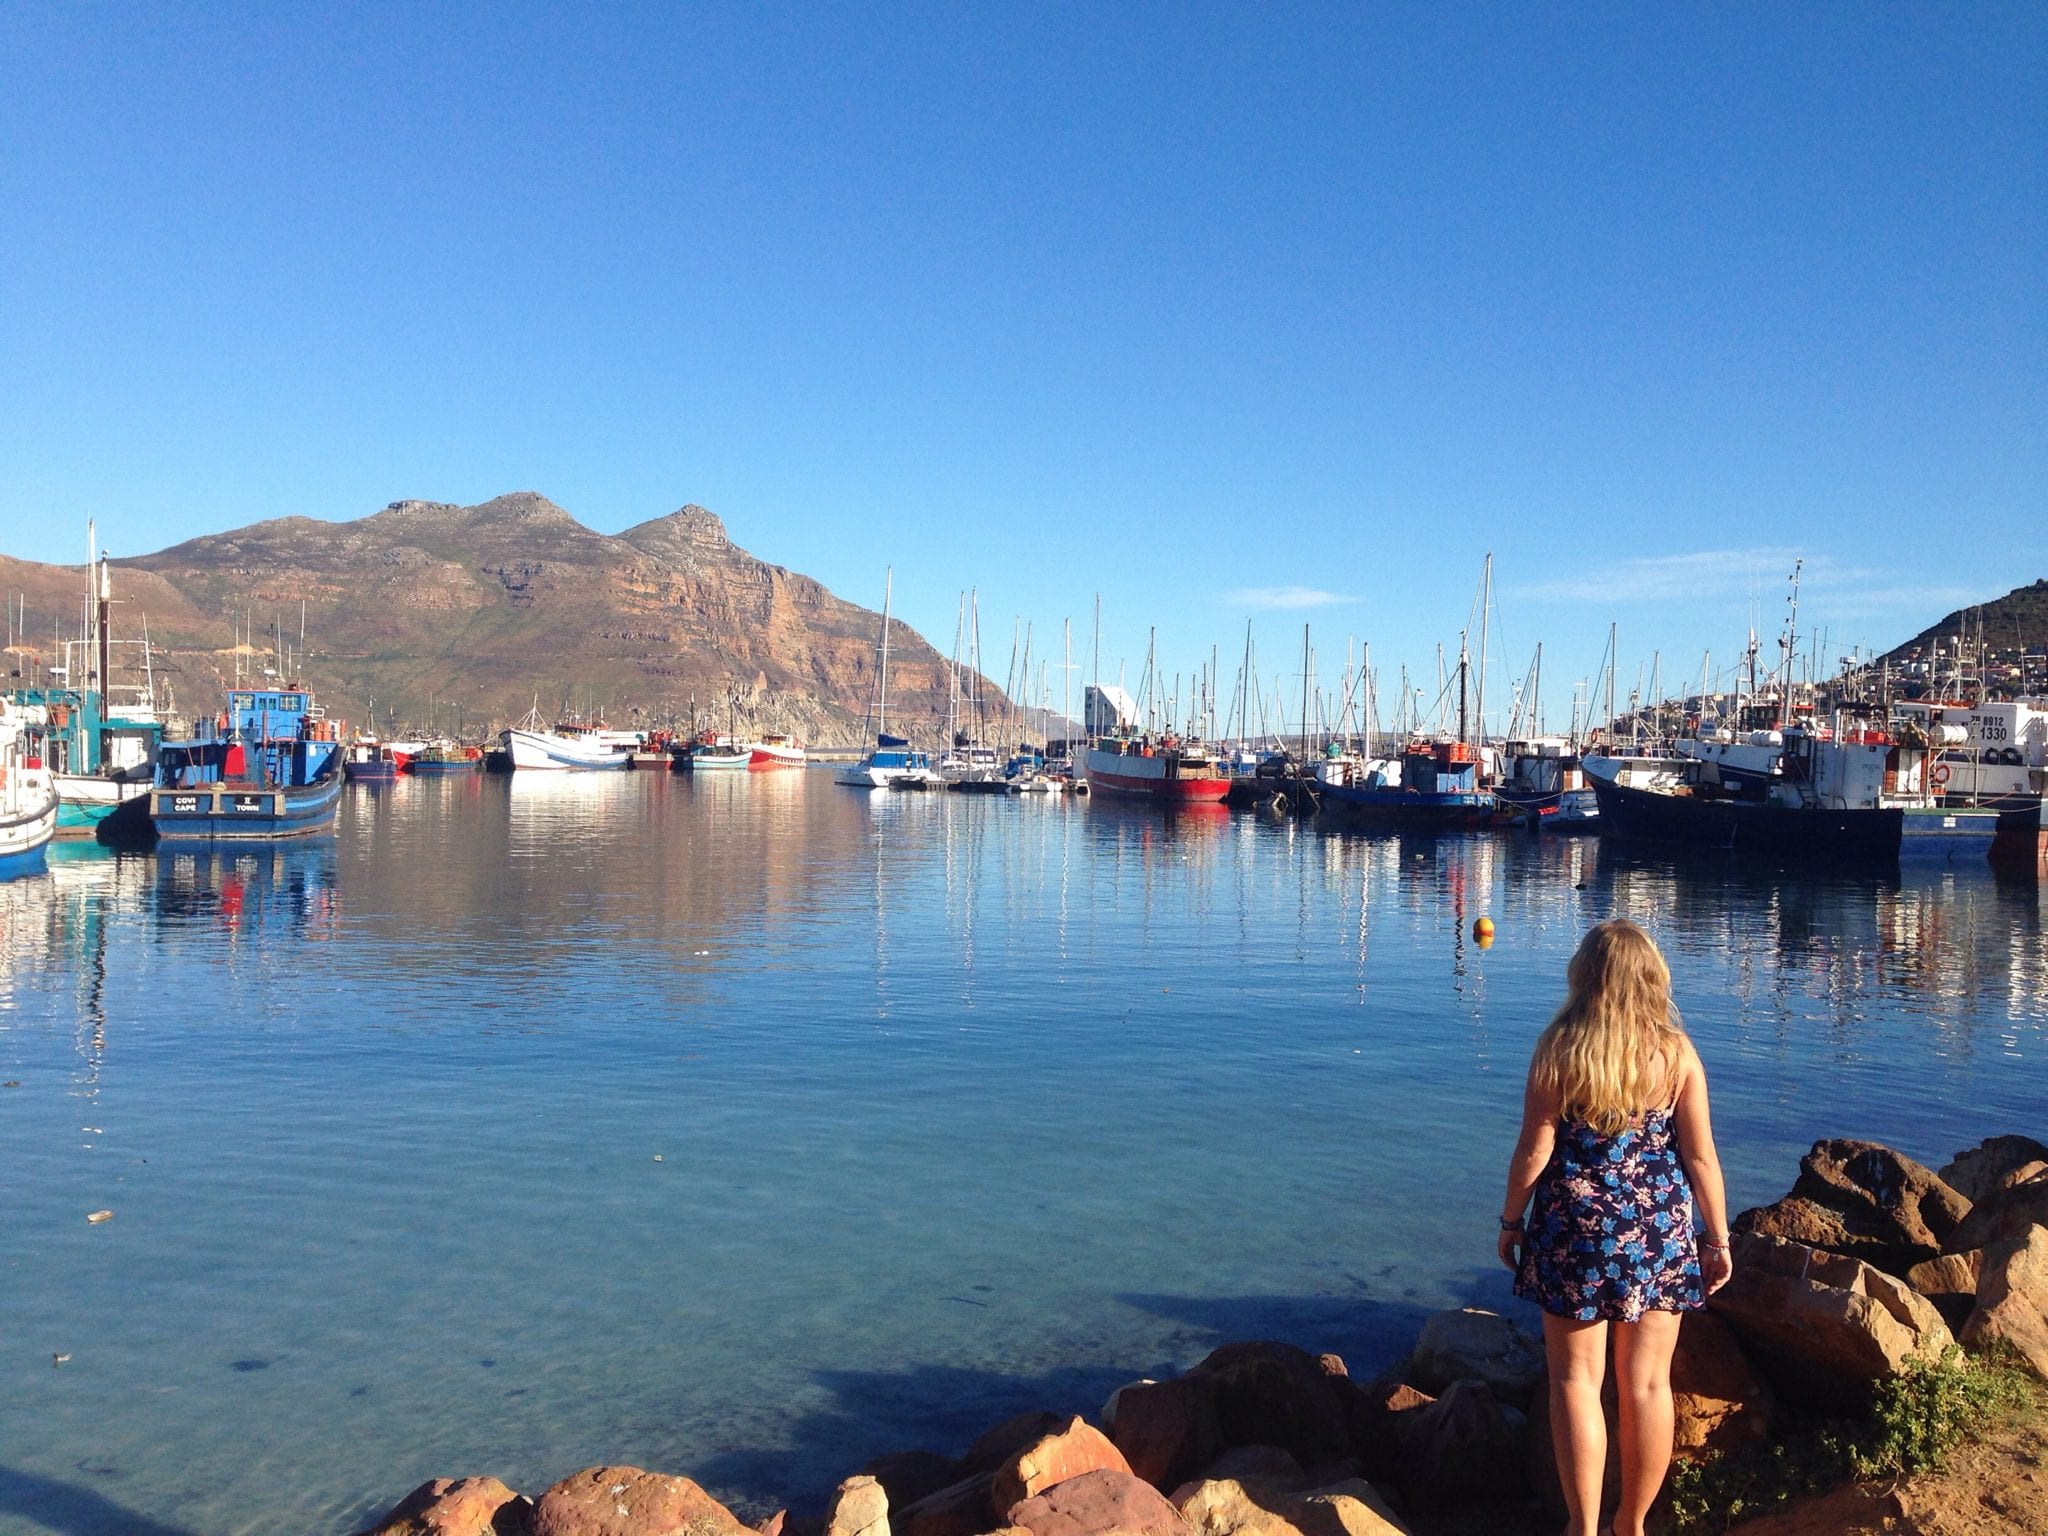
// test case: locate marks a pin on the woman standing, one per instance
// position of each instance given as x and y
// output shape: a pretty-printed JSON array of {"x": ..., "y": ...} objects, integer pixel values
[{"x": 1616, "y": 1146}]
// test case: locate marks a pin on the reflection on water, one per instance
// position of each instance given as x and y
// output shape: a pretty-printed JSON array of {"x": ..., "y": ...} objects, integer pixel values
[{"x": 960, "y": 1105}]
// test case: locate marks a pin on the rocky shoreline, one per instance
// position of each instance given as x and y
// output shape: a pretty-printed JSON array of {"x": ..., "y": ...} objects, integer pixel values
[{"x": 1870, "y": 1263}]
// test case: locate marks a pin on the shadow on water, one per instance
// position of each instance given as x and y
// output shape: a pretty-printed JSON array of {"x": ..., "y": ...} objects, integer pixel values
[
  {"x": 72, "y": 1510},
  {"x": 944, "y": 1408}
]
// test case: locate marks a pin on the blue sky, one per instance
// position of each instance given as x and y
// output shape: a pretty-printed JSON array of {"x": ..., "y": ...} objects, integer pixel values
[{"x": 1281, "y": 313}]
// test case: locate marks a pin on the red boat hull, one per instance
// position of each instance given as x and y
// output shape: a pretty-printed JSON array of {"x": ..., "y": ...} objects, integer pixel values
[{"x": 1194, "y": 790}]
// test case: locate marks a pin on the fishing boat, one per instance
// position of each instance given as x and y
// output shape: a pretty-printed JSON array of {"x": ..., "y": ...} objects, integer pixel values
[
  {"x": 366, "y": 760},
  {"x": 715, "y": 752},
  {"x": 892, "y": 762},
  {"x": 1857, "y": 792},
  {"x": 443, "y": 759},
  {"x": 1165, "y": 769},
  {"x": 777, "y": 750},
  {"x": 566, "y": 746},
  {"x": 96, "y": 739},
  {"x": 268, "y": 766},
  {"x": 28, "y": 798},
  {"x": 1543, "y": 786},
  {"x": 1434, "y": 783}
]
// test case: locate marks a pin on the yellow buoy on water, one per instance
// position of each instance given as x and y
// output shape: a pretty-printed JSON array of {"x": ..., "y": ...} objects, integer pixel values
[{"x": 1482, "y": 929}]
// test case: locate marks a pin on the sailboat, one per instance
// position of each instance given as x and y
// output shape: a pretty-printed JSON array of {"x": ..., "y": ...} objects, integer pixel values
[{"x": 892, "y": 762}]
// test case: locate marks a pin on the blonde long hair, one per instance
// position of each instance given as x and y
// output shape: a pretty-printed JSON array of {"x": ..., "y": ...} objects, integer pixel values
[{"x": 1614, "y": 1047}]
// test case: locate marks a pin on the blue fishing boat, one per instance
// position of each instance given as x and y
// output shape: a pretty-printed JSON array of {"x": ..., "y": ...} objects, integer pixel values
[
  {"x": 1859, "y": 794},
  {"x": 1431, "y": 784},
  {"x": 268, "y": 766}
]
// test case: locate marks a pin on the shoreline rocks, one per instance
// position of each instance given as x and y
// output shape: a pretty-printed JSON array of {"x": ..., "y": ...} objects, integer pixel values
[{"x": 1869, "y": 1263}]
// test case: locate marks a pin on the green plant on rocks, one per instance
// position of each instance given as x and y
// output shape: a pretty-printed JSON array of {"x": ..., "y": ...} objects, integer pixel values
[{"x": 1915, "y": 1419}]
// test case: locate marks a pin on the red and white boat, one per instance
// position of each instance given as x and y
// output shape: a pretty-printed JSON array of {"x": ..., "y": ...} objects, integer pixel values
[
  {"x": 776, "y": 750},
  {"x": 1165, "y": 769}
]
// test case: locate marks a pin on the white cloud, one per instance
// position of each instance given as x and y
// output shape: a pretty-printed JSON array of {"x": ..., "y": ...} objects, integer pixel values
[
  {"x": 1670, "y": 578},
  {"x": 1285, "y": 597}
]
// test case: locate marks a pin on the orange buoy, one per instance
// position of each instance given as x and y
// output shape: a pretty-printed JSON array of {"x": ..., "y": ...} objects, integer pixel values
[{"x": 1482, "y": 929}]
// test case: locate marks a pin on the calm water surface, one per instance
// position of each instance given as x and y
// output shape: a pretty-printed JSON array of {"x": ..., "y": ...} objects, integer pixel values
[{"x": 751, "y": 1127}]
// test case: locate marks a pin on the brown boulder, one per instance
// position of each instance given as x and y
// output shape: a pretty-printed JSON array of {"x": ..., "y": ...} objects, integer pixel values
[
  {"x": 2012, "y": 1302},
  {"x": 998, "y": 1444},
  {"x": 1466, "y": 1445},
  {"x": 1275, "y": 1394},
  {"x": 1076, "y": 1447},
  {"x": 1825, "y": 1326},
  {"x": 1863, "y": 1199},
  {"x": 467, "y": 1506},
  {"x": 1950, "y": 1282},
  {"x": 859, "y": 1508},
  {"x": 625, "y": 1501},
  {"x": 961, "y": 1509},
  {"x": 1264, "y": 1467},
  {"x": 1991, "y": 1164},
  {"x": 773, "y": 1525},
  {"x": 1227, "y": 1507},
  {"x": 2003, "y": 1216},
  {"x": 1168, "y": 1430},
  {"x": 1101, "y": 1503},
  {"x": 907, "y": 1476},
  {"x": 1473, "y": 1344}
]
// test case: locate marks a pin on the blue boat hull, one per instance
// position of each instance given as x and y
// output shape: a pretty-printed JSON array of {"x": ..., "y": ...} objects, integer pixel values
[
  {"x": 440, "y": 768},
  {"x": 1795, "y": 832},
  {"x": 1360, "y": 806},
  {"x": 226, "y": 813}
]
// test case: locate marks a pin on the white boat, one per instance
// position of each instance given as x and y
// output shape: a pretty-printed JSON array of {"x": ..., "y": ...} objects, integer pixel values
[
  {"x": 893, "y": 762},
  {"x": 558, "y": 749},
  {"x": 28, "y": 800}
]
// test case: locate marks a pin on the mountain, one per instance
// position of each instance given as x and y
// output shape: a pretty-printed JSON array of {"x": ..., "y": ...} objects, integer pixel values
[
  {"x": 2013, "y": 623},
  {"x": 458, "y": 617}
]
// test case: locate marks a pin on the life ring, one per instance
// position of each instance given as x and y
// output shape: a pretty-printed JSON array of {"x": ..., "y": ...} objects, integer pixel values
[{"x": 1941, "y": 772}]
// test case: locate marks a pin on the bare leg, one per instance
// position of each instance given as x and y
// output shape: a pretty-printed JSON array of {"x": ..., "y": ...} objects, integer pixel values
[
  {"x": 1642, "y": 1378},
  {"x": 1577, "y": 1354}
]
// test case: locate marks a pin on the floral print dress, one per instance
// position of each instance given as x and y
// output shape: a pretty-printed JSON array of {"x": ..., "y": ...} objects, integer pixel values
[{"x": 1610, "y": 1229}]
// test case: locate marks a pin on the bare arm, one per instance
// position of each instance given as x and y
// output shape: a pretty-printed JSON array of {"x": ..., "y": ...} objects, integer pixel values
[
  {"x": 1531, "y": 1156},
  {"x": 1703, "y": 1168}
]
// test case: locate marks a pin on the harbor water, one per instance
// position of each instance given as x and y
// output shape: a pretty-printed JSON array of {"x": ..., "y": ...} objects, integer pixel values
[{"x": 752, "y": 1126}]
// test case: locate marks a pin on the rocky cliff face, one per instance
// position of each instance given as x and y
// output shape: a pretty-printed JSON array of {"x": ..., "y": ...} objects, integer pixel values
[{"x": 449, "y": 615}]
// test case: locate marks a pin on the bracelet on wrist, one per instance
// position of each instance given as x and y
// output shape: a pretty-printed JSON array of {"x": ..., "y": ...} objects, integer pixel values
[
  {"x": 1511, "y": 1223},
  {"x": 1708, "y": 1242}
]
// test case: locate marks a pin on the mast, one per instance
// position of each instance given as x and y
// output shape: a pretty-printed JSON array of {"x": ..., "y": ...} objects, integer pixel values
[
  {"x": 1304, "y": 691},
  {"x": 1485, "y": 603},
  {"x": 103, "y": 600},
  {"x": 1464, "y": 665},
  {"x": 882, "y": 684},
  {"x": 1613, "y": 661}
]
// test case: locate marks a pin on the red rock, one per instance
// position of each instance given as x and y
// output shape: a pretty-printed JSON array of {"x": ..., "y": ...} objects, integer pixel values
[
  {"x": 1863, "y": 1199},
  {"x": 469, "y": 1506},
  {"x": 2004, "y": 1216},
  {"x": 1168, "y": 1430},
  {"x": 964, "y": 1509},
  {"x": 1466, "y": 1445},
  {"x": 998, "y": 1444},
  {"x": 1720, "y": 1402},
  {"x": 1825, "y": 1326},
  {"x": 1102, "y": 1503},
  {"x": 1275, "y": 1394},
  {"x": 1076, "y": 1447},
  {"x": 1991, "y": 1164},
  {"x": 625, "y": 1501},
  {"x": 2012, "y": 1302}
]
